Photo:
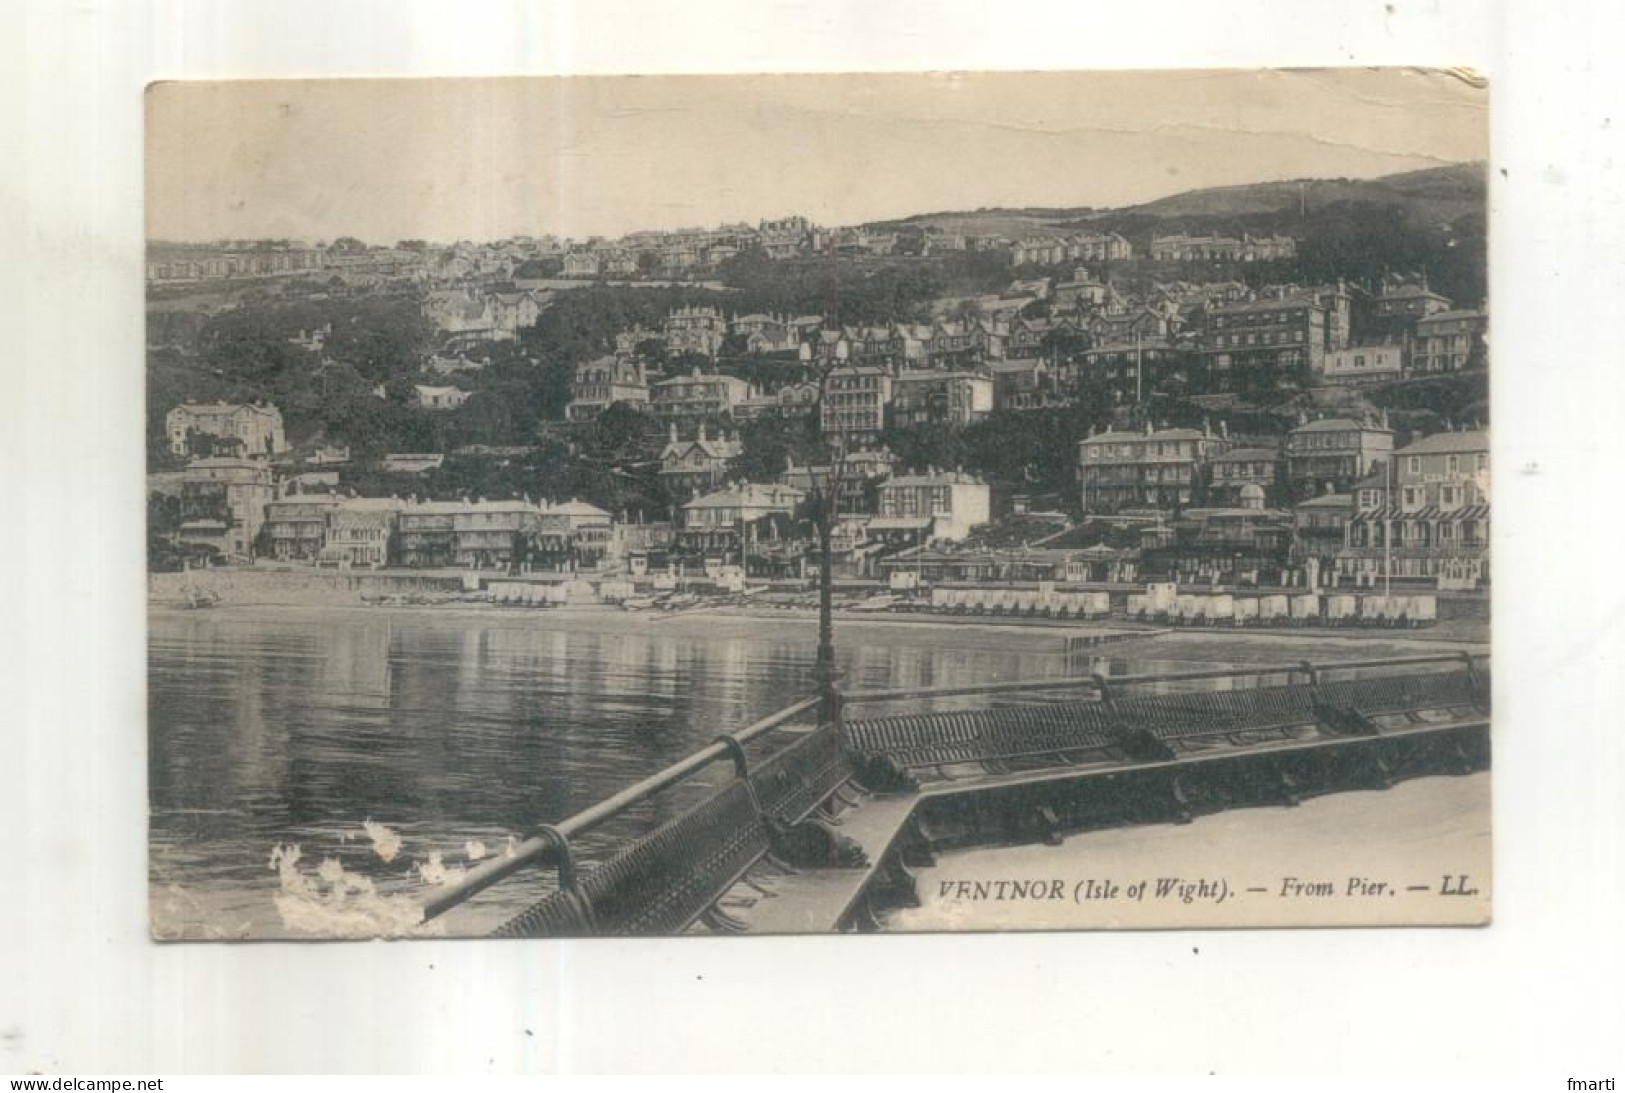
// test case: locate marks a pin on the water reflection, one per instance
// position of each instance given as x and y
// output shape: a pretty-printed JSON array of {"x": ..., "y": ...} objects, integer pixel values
[
  {"x": 291, "y": 724},
  {"x": 296, "y": 725}
]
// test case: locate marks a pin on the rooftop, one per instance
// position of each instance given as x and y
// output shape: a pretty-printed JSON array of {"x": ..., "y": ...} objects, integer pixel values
[
  {"x": 575, "y": 507},
  {"x": 1157, "y": 435},
  {"x": 1272, "y": 304},
  {"x": 1472, "y": 440},
  {"x": 1339, "y": 424},
  {"x": 936, "y": 478},
  {"x": 749, "y": 494},
  {"x": 1454, "y": 314},
  {"x": 227, "y": 408},
  {"x": 1328, "y": 501}
]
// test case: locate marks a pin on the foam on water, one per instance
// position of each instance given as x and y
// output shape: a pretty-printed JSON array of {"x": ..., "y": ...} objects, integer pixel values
[{"x": 331, "y": 901}]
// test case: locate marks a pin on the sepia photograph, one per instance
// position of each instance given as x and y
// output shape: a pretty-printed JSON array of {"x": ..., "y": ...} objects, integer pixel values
[{"x": 814, "y": 504}]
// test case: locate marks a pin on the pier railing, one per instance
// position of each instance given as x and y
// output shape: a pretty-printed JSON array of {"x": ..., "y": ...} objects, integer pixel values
[
  {"x": 787, "y": 785},
  {"x": 1103, "y": 685},
  {"x": 551, "y": 844}
]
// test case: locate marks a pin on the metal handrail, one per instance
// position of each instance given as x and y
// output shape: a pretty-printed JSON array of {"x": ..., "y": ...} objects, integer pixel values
[
  {"x": 546, "y": 844},
  {"x": 1093, "y": 681}
]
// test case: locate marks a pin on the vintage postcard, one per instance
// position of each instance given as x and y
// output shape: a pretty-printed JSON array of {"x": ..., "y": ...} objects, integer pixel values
[{"x": 807, "y": 504}]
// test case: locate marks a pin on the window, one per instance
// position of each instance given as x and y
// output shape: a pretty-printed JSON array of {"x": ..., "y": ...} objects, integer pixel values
[
  {"x": 1449, "y": 495},
  {"x": 1416, "y": 464},
  {"x": 1452, "y": 464},
  {"x": 1410, "y": 496}
]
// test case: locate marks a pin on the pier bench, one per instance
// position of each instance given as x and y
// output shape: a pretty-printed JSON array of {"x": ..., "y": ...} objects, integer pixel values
[
  {"x": 1172, "y": 717},
  {"x": 1406, "y": 694},
  {"x": 662, "y": 882},
  {"x": 792, "y": 783},
  {"x": 996, "y": 736},
  {"x": 665, "y": 881}
]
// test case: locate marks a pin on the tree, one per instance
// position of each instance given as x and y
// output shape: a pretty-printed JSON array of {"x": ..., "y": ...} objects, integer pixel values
[
  {"x": 622, "y": 431},
  {"x": 1064, "y": 344},
  {"x": 770, "y": 442},
  {"x": 163, "y": 513}
]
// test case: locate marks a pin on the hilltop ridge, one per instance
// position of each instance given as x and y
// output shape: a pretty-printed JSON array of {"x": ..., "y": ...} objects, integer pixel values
[{"x": 1431, "y": 195}]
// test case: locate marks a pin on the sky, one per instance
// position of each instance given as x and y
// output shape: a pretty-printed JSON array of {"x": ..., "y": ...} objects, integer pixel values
[{"x": 479, "y": 159}]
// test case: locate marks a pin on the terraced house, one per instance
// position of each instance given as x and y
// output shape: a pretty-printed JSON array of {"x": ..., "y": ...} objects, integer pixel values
[
  {"x": 488, "y": 534},
  {"x": 717, "y": 523},
  {"x": 1266, "y": 343},
  {"x": 935, "y": 506},
  {"x": 603, "y": 381},
  {"x": 427, "y": 536},
  {"x": 250, "y": 429},
  {"x": 1334, "y": 452},
  {"x": 854, "y": 402},
  {"x": 361, "y": 533},
  {"x": 941, "y": 398},
  {"x": 1158, "y": 468},
  {"x": 297, "y": 526},
  {"x": 697, "y": 396},
  {"x": 694, "y": 330},
  {"x": 1450, "y": 341},
  {"x": 1432, "y": 523}
]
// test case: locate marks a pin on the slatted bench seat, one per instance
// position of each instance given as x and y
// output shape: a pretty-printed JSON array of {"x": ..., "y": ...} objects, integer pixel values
[
  {"x": 986, "y": 736},
  {"x": 1216, "y": 713},
  {"x": 1402, "y": 694},
  {"x": 661, "y": 883},
  {"x": 795, "y": 781}
]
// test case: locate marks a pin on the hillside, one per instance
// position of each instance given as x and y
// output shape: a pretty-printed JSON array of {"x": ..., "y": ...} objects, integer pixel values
[
  {"x": 1432, "y": 196},
  {"x": 1435, "y": 195}
]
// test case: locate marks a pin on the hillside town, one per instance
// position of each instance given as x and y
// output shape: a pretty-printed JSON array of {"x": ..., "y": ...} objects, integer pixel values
[{"x": 1185, "y": 408}]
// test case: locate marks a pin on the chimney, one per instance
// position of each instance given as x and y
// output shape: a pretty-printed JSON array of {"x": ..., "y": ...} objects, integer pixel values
[{"x": 1224, "y": 429}]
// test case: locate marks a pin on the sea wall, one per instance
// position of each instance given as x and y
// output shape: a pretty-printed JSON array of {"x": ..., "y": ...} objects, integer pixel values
[{"x": 303, "y": 587}]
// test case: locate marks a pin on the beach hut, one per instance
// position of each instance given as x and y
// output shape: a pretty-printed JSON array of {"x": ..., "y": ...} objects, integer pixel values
[
  {"x": 1374, "y": 610},
  {"x": 1305, "y": 608},
  {"x": 1424, "y": 610},
  {"x": 1190, "y": 609},
  {"x": 1275, "y": 610},
  {"x": 1342, "y": 608}
]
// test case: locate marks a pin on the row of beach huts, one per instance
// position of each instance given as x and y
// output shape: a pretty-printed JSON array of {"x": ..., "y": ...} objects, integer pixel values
[{"x": 1166, "y": 605}]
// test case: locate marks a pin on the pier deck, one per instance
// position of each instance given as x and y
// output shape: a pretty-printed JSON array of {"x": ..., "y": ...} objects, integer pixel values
[{"x": 771, "y": 900}]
